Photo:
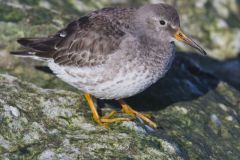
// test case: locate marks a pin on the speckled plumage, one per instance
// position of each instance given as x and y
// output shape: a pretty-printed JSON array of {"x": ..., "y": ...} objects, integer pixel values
[{"x": 112, "y": 53}]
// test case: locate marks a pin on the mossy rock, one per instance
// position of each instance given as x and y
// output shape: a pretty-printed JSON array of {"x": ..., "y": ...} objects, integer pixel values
[
  {"x": 30, "y": 2},
  {"x": 11, "y": 14}
]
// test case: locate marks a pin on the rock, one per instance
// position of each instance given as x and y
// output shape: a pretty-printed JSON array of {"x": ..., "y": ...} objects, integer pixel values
[{"x": 55, "y": 124}]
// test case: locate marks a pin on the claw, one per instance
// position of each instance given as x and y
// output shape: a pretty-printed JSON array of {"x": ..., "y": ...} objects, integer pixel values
[{"x": 127, "y": 109}]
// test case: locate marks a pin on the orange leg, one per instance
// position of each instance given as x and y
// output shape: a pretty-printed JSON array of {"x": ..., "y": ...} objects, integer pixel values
[
  {"x": 127, "y": 109},
  {"x": 105, "y": 119}
]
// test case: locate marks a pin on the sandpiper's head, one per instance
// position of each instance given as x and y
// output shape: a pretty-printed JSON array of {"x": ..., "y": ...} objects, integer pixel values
[{"x": 161, "y": 21}]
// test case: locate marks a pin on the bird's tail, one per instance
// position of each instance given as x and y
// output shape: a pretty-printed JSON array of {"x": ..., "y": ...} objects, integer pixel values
[{"x": 37, "y": 48}]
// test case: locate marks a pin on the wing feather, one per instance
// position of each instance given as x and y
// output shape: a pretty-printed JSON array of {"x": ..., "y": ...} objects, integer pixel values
[
  {"x": 91, "y": 43},
  {"x": 87, "y": 41}
]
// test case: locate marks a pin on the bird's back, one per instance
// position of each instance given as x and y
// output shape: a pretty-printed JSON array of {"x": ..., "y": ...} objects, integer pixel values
[{"x": 84, "y": 42}]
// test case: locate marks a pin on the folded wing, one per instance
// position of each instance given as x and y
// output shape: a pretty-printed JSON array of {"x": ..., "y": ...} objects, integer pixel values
[{"x": 87, "y": 41}]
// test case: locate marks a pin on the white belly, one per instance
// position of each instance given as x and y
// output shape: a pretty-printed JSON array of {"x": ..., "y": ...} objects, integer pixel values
[{"x": 105, "y": 83}]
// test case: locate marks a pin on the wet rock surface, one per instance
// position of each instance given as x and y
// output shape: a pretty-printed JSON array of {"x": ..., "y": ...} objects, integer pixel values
[{"x": 196, "y": 105}]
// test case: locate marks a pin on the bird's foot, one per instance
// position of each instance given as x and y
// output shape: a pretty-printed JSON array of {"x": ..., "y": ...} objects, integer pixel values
[
  {"x": 127, "y": 109},
  {"x": 107, "y": 119}
]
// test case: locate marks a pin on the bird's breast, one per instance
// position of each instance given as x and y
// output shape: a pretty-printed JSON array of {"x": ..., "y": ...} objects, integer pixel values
[{"x": 158, "y": 60}]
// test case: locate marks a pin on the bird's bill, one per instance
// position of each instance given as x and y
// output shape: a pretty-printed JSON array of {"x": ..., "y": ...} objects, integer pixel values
[{"x": 180, "y": 36}]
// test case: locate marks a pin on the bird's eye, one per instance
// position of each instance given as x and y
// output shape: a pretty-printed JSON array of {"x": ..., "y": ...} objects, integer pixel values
[{"x": 162, "y": 22}]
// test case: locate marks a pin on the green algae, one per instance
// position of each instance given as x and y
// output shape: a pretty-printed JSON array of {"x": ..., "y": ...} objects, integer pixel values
[
  {"x": 10, "y": 14},
  {"x": 30, "y": 2}
]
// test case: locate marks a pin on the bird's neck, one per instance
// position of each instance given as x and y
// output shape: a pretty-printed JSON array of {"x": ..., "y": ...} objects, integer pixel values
[{"x": 157, "y": 55}]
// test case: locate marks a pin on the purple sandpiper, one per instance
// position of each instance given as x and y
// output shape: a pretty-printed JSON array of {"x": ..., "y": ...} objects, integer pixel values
[{"x": 112, "y": 53}]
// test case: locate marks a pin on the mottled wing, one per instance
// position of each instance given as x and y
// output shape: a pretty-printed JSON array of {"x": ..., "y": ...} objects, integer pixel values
[
  {"x": 90, "y": 40},
  {"x": 87, "y": 41}
]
